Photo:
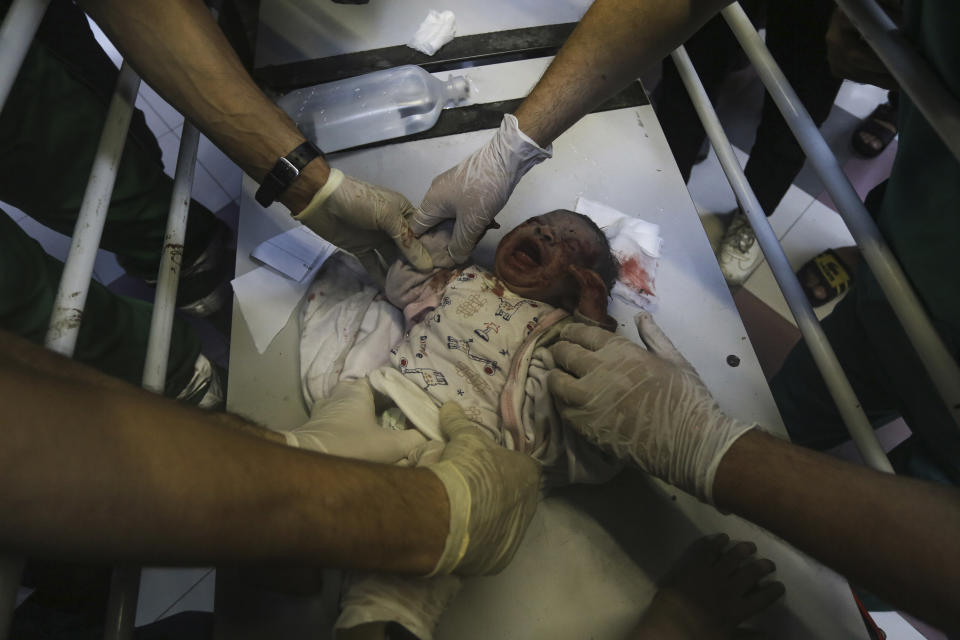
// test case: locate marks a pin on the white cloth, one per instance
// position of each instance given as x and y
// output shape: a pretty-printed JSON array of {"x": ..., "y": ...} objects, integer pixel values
[
  {"x": 436, "y": 30},
  {"x": 462, "y": 349},
  {"x": 346, "y": 328},
  {"x": 637, "y": 246}
]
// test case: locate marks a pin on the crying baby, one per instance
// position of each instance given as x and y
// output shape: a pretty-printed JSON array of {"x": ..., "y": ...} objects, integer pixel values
[{"x": 476, "y": 337}]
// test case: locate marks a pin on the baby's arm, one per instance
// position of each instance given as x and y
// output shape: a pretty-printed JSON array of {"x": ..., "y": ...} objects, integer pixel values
[{"x": 593, "y": 297}]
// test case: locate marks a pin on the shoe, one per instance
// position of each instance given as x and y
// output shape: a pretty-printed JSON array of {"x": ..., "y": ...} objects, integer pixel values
[
  {"x": 204, "y": 286},
  {"x": 876, "y": 131},
  {"x": 739, "y": 252},
  {"x": 207, "y": 388}
]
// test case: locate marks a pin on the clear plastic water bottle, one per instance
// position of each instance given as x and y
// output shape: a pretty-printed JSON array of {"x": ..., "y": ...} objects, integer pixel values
[{"x": 376, "y": 106}]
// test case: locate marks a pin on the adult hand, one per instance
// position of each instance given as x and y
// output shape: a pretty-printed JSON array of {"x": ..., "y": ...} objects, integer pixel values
[
  {"x": 493, "y": 495},
  {"x": 849, "y": 54},
  {"x": 646, "y": 405},
  {"x": 369, "y": 221},
  {"x": 345, "y": 424},
  {"x": 710, "y": 591},
  {"x": 475, "y": 190}
]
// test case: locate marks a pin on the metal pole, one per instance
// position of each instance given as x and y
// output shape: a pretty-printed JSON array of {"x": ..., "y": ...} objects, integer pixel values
[
  {"x": 940, "y": 107},
  {"x": 853, "y": 416},
  {"x": 933, "y": 353},
  {"x": 122, "y": 604},
  {"x": 125, "y": 582},
  {"x": 75, "y": 283},
  {"x": 17, "y": 31},
  {"x": 165, "y": 300}
]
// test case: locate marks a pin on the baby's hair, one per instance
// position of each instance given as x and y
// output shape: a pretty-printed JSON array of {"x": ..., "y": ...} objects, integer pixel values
[{"x": 606, "y": 266}]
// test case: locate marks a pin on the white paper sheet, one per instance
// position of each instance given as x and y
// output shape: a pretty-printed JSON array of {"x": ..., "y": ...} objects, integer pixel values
[
  {"x": 294, "y": 252},
  {"x": 268, "y": 295}
]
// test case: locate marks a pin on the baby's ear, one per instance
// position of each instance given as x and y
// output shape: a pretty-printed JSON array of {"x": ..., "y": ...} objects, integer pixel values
[{"x": 593, "y": 295}]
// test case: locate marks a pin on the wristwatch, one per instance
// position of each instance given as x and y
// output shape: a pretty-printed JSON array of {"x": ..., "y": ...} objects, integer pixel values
[{"x": 285, "y": 171}]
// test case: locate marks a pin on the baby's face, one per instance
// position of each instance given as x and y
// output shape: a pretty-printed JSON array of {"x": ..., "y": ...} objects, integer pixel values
[{"x": 534, "y": 259}]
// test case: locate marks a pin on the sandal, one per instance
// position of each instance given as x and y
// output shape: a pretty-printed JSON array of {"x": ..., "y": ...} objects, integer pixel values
[
  {"x": 826, "y": 271},
  {"x": 880, "y": 127}
]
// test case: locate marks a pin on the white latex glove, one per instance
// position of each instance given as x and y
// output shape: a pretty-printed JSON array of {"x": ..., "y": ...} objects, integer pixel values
[
  {"x": 414, "y": 603},
  {"x": 646, "y": 405},
  {"x": 493, "y": 495},
  {"x": 345, "y": 425},
  {"x": 475, "y": 190},
  {"x": 365, "y": 220}
]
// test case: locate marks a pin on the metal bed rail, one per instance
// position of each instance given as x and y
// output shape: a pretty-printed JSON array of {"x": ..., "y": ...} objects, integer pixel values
[
  {"x": 125, "y": 581},
  {"x": 16, "y": 33},
  {"x": 78, "y": 267},
  {"x": 942, "y": 368},
  {"x": 943, "y": 111},
  {"x": 823, "y": 354}
]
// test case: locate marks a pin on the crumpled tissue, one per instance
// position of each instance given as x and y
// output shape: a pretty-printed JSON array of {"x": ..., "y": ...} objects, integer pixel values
[{"x": 437, "y": 30}]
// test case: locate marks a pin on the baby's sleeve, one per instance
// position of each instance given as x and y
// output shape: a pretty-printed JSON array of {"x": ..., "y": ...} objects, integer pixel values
[{"x": 405, "y": 285}]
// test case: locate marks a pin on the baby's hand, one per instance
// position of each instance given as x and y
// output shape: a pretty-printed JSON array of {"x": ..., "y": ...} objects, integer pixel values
[{"x": 593, "y": 296}]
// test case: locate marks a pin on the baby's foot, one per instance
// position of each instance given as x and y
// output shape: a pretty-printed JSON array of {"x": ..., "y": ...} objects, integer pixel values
[{"x": 710, "y": 591}]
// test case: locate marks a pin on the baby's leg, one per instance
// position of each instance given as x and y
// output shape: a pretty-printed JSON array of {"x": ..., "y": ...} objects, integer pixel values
[
  {"x": 709, "y": 592},
  {"x": 345, "y": 424}
]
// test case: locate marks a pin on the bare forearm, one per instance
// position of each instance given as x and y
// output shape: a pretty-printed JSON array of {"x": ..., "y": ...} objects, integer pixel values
[
  {"x": 18, "y": 351},
  {"x": 178, "y": 49},
  {"x": 100, "y": 473},
  {"x": 893, "y": 535},
  {"x": 614, "y": 43}
]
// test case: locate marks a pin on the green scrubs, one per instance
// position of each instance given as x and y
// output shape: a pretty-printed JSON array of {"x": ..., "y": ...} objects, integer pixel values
[{"x": 49, "y": 132}]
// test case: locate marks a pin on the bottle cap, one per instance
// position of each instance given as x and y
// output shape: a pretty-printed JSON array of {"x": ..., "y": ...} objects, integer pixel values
[{"x": 457, "y": 89}]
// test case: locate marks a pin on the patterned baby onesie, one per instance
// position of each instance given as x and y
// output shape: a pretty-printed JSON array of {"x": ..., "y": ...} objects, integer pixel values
[{"x": 461, "y": 350}]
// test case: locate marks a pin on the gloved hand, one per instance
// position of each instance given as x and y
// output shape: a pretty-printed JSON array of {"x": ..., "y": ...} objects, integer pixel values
[
  {"x": 493, "y": 495},
  {"x": 414, "y": 603},
  {"x": 365, "y": 220},
  {"x": 648, "y": 405},
  {"x": 345, "y": 424},
  {"x": 475, "y": 190}
]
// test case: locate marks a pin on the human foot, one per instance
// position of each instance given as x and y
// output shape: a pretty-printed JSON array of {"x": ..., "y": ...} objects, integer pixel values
[
  {"x": 710, "y": 591},
  {"x": 829, "y": 274},
  {"x": 876, "y": 131}
]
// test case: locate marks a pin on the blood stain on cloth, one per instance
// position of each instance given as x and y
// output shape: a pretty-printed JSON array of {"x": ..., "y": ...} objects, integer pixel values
[{"x": 635, "y": 276}]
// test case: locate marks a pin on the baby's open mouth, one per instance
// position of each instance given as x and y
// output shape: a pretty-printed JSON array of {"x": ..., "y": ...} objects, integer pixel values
[{"x": 527, "y": 253}]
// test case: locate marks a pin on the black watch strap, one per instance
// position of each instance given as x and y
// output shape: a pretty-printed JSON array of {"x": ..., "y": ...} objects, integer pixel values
[{"x": 285, "y": 171}]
